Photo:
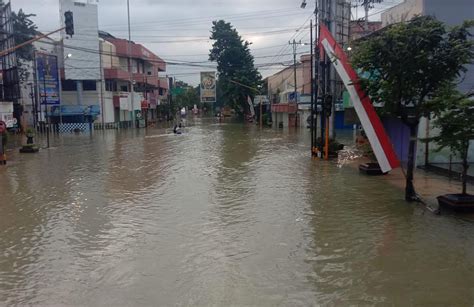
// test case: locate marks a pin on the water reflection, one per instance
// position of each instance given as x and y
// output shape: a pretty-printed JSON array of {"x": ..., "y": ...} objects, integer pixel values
[{"x": 224, "y": 214}]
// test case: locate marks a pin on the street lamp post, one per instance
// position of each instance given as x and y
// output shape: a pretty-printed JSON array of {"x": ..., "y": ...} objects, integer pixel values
[
  {"x": 129, "y": 51},
  {"x": 69, "y": 55},
  {"x": 312, "y": 85},
  {"x": 33, "y": 104},
  {"x": 314, "y": 76},
  {"x": 295, "y": 44},
  {"x": 45, "y": 102}
]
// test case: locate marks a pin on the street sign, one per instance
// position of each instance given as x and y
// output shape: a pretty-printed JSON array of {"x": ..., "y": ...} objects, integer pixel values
[
  {"x": 48, "y": 78},
  {"x": 208, "y": 87},
  {"x": 177, "y": 91}
]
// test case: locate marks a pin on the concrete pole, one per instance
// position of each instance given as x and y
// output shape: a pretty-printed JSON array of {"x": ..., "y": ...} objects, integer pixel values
[
  {"x": 317, "y": 69},
  {"x": 294, "y": 70},
  {"x": 130, "y": 65},
  {"x": 332, "y": 72},
  {"x": 366, "y": 20},
  {"x": 102, "y": 102},
  {"x": 295, "y": 46},
  {"x": 312, "y": 86}
]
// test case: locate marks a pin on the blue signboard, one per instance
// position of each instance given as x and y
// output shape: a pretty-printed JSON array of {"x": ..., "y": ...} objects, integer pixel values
[{"x": 48, "y": 78}]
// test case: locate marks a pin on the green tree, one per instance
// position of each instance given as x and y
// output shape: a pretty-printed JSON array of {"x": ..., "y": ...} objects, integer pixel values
[
  {"x": 406, "y": 65},
  {"x": 456, "y": 124},
  {"x": 188, "y": 98},
  {"x": 24, "y": 29},
  {"x": 234, "y": 63}
]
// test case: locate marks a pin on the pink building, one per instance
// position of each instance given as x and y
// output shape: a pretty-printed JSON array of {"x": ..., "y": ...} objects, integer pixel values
[{"x": 144, "y": 69}]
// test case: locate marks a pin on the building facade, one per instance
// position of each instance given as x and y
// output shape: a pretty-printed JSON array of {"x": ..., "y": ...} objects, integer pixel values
[
  {"x": 113, "y": 81},
  {"x": 281, "y": 92},
  {"x": 143, "y": 69},
  {"x": 451, "y": 13}
]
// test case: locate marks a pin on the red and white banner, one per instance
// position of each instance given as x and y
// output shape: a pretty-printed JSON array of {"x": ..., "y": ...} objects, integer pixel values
[{"x": 379, "y": 140}]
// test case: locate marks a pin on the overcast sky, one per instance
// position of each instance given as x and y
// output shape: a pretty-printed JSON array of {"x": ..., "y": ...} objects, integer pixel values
[{"x": 179, "y": 29}]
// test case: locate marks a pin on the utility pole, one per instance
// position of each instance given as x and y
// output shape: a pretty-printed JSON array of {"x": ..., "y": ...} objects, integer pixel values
[
  {"x": 45, "y": 102},
  {"x": 312, "y": 86},
  {"x": 130, "y": 73},
  {"x": 366, "y": 20},
  {"x": 146, "y": 101},
  {"x": 295, "y": 44},
  {"x": 170, "y": 96},
  {"x": 323, "y": 76},
  {"x": 102, "y": 99},
  {"x": 316, "y": 75},
  {"x": 36, "y": 91},
  {"x": 32, "y": 96}
]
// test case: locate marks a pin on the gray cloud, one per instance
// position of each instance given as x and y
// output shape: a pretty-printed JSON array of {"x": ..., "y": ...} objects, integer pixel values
[{"x": 154, "y": 21}]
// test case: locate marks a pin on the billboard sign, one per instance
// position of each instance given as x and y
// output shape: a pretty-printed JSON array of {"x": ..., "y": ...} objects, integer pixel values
[
  {"x": 208, "y": 86},
  {"x": 48, "y": 78},
  {"x": 373, "y": 127}
]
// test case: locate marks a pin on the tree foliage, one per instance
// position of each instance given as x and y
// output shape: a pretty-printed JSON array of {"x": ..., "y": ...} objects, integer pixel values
[
  {"x": 24, "y": 29},
  {"x": 188, "y": 97},
  {"x": 407, "y": 65},
  {"x": 234, "y": 63},
  {"x": 409, "y": 62},
  {"x": 456, "y": 124}
]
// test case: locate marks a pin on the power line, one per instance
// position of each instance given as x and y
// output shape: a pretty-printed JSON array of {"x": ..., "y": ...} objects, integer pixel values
[
  {"x": 170, "y": 21},
  {"x": 273, "y": 32},
  {"x": 284, "y": 49},
  {"x": 190, "y": 22},
  {"x": 173, "y": 63}
]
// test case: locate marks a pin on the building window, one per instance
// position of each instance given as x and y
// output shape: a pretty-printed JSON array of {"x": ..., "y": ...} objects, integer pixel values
[
  {"x": 89, "y": 85},
  {"x": 69, "y": 85},
  {"x": 110, "y": 86},
  {"x": 124, "y": 88}
]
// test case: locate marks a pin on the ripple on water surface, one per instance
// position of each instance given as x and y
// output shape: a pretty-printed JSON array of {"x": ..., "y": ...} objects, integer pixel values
[{"x": 224, "y": 214}]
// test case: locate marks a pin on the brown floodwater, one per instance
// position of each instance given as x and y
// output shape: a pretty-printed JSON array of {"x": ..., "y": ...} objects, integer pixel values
[{"x": 224, "y": 214}]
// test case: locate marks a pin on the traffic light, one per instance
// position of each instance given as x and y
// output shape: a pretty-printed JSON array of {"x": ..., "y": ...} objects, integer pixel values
[
  {"x": 327, "y": 105},
  {"x": 69, "y": 22}
]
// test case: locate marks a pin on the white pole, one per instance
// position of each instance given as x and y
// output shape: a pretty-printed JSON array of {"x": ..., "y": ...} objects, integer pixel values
[
  {"x": 102, "y": 111},
  {"x": 130, "y": 64}
]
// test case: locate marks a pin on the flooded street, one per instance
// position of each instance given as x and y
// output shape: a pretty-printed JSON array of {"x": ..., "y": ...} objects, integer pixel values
[{"x": 221, "y": 215}]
